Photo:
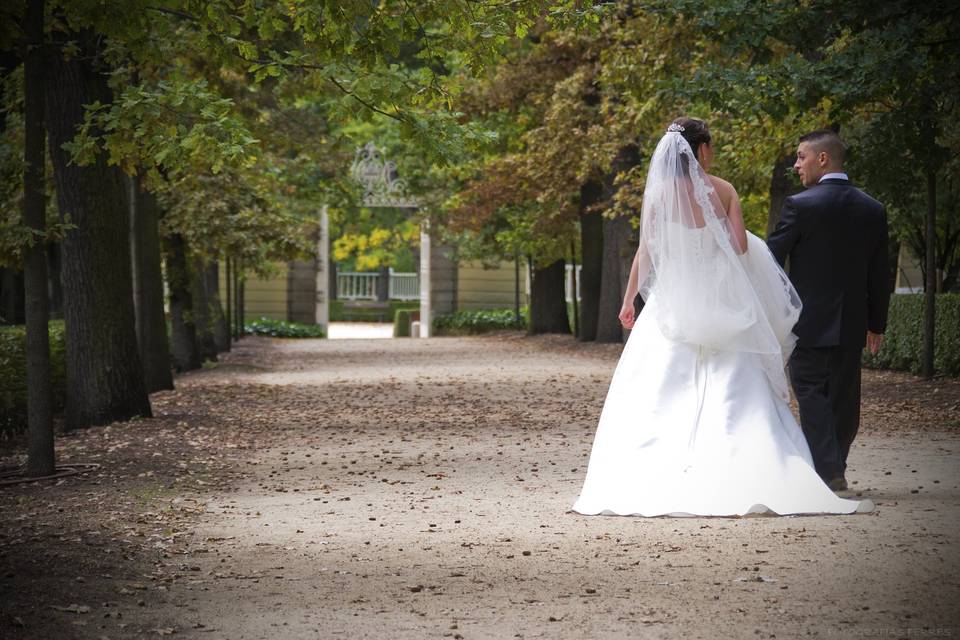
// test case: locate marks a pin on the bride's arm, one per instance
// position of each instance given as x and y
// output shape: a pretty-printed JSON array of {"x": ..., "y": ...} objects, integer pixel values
[
  {"x": 640, "y": 261},
  {"x": 729, "y": 202},
  {"x": 738, "y": 232}
]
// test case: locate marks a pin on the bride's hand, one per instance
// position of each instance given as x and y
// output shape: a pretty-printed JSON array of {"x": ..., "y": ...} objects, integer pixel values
[{"x": 626, "y": 316}]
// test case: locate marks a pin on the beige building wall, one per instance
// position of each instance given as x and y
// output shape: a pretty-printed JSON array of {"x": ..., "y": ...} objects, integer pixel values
[
  {"x": 485, "y": 288},
  {"x": 266, "y": 297},
  {"x": 288, "y": 293}
]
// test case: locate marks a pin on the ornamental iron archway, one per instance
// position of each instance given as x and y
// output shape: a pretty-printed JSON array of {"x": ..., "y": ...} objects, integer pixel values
[{"x": 382, "y": 188}]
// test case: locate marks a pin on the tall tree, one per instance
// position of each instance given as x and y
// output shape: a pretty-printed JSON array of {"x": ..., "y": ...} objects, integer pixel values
[
  {"x": 184, "y": 339},
  {"x": 221, "y": 334},
  {"x": 205, "y": 318},
  {"x": 548, "y": 307},
  {"x": 617, "y": 253},
  {"x": 104, "y": 373},
  {"x": 591, "y": 251},
  {"x": 148, "y": 287},
  {"x": 40, "y": 454}
]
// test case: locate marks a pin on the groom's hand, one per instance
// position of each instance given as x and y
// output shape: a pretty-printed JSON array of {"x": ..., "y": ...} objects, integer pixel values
[
  {"x": 626, "y": 316},
  {"x": 874, "y": 340}
]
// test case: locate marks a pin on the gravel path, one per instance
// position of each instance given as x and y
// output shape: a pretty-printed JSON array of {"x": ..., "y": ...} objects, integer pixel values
[{"x": 421, "y": 489}]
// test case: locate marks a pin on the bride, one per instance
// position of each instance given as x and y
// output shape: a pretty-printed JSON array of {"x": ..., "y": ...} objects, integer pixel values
[{"x": 696, "y": 420}]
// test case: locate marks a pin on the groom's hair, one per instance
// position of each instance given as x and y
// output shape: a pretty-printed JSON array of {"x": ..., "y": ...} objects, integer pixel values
[{"x": 827, "y": 140}]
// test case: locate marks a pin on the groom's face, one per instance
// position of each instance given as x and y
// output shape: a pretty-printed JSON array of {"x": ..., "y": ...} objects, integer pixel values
[{"x": 810, "y": 166}]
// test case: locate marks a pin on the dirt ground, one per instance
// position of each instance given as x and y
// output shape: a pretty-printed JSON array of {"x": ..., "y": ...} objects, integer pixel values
[{"x": 421, "y": 489}]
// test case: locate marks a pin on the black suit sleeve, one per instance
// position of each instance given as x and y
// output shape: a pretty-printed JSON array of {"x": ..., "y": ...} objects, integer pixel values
[
  {"x": 784, "y": 236},
  {"x": 878, "y": 281}
]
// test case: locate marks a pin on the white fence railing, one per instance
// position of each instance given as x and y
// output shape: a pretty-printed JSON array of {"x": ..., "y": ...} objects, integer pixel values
[
  {"x": 404, "y": 286},
  {"x": 354, "y": 285}
]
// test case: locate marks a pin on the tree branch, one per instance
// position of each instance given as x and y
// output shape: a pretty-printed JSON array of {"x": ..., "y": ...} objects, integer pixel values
[
  {"x": 368, "y": 105},
  {"x": 174, "y": 12}
]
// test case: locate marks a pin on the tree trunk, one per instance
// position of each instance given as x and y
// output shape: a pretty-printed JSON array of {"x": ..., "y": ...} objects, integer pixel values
[
  {"x": 221, "y": 333},
  {"x": 781, "y": 187},
  {"x": 203, "y": 315},
  {"x": 235, "y": 286},
  {"x": 574, "y": 293},
  {"x": 40, "y": 453},
  {"x": 548, "y": 305},
  {"x": 383, "y": 284},
  {"x": 54, "y": 282},
  {"x": 148, "y": 288},
  {"x": 104, "y": 373},
  {"x": 228, "y": 319},
  {"x": 516, "y": 289},
  {"x": 591, "y": 258},
  {"x": 616, "y": 249},
  {"x": 930, "y": 286},
  {"x": 183, "y": 329},
  {"x": 617, "y": 255},
  {"x": 241, "y": 301}
]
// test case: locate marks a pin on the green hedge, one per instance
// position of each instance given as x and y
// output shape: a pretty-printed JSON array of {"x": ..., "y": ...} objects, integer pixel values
[
  {"x": 903, "y": 342},
  {"x": 339, "y": 312},
  {"x": 13, "y": 376},
  {"x": 401, "y": 324},
  {"x": 282, "y": 329},
  {"x": 470, "y": 322}
]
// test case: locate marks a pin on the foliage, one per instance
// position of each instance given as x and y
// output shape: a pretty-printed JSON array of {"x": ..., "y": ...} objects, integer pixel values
[
  {"x": 521, "y": 196},
  {"x": 239, "y": 212},
  {"x": 903, "y": 342},
  {"x": 900, "y": 184},
  {"x": 376, "y": 238},
  {"x": 203, "y": 88},
  {"x": 282, "y": 329},
  {"x": 13, "y": 374},
  {"x": 469, "y": 322},
  {"x": 345, "y": 311},
  {"x": 14, "y": 236},
  {"x": 883, "y": 73}
]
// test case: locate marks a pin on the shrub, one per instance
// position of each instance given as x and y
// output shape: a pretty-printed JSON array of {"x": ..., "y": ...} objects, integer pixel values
[
  {"x": 283, "y": 329},
  {"x": 369, "y": 311},
  {"x": 474, "y": 321},
  {"x": 401, "y": 324},
  {"x": 903, "y": 342},
  {"x": 13, "y": 374}
]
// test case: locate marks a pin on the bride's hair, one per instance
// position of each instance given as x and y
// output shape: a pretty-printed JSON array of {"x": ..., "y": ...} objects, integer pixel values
[{"x": 694, "y": 131}]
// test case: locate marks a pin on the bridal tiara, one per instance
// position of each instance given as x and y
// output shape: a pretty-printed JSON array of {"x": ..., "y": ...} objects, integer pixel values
[{"x": 674, "y": 127}]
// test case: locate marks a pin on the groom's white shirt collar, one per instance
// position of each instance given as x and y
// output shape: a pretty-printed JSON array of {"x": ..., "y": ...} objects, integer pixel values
[{"x": 834, "y": 176}]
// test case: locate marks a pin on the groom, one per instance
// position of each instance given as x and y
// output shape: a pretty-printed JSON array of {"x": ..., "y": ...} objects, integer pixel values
[{"x": 836, "y": 239}]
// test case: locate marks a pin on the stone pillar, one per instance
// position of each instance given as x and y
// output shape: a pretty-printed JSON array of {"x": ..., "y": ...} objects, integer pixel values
[
  {"x": 322, "y": 313},
  {"x": 425, "y": 283}
]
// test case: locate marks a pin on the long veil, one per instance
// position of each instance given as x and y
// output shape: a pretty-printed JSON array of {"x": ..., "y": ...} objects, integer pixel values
[{"x": 703, "y": 287}]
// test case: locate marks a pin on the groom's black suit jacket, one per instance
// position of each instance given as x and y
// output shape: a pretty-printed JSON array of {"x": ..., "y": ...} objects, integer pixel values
[{"x": 836, "y": 238}]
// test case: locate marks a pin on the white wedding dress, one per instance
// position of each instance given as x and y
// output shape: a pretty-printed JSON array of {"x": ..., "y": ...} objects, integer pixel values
[{"x": 698, "y": 424}]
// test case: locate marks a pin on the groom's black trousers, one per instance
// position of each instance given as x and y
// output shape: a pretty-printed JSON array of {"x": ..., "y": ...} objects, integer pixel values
[{"x": 826, "y": 381}]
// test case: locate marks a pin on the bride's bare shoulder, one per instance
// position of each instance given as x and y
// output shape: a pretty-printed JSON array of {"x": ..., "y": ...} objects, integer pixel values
[
  {"x": 723, "y": 187},
  {"x": 725, "y": 190}
]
